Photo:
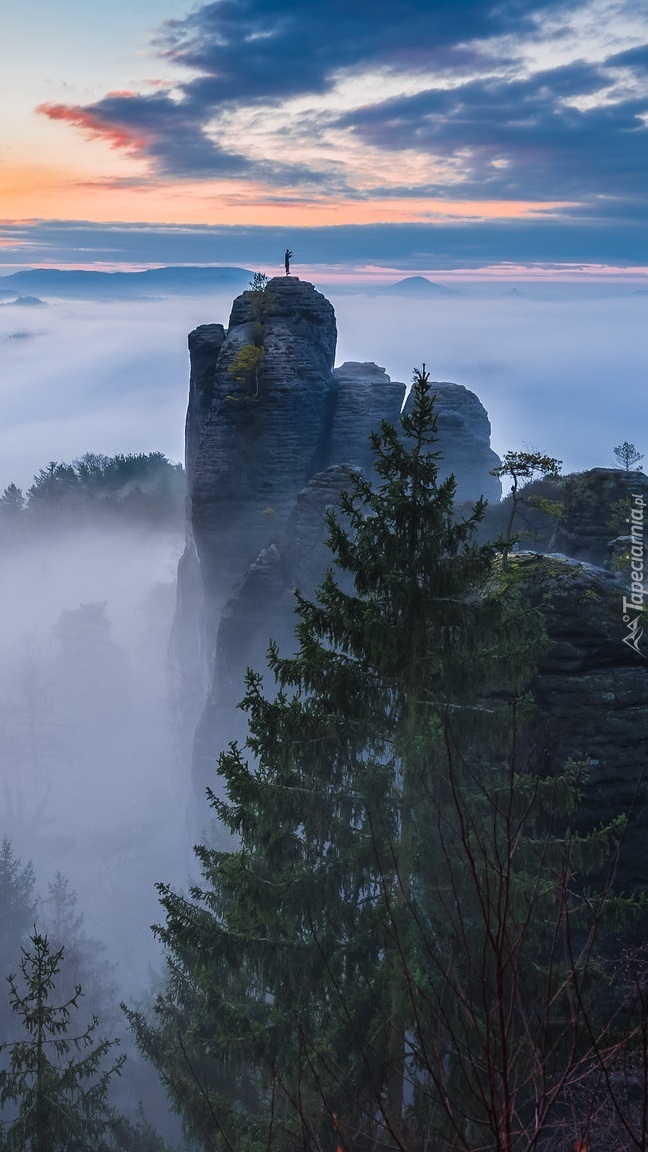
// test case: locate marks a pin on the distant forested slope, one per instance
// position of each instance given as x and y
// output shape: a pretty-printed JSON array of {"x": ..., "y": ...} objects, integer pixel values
[{"x": 142, "y": 487}]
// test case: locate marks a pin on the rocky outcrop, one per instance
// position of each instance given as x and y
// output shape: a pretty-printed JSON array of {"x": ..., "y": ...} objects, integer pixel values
[
  {"x": 205, "y": 344},
  {"x": 269, "y": 447},
  {"x": 260, "y": 442},
  {"x": 271, "y": 433},
  {"x": 464, "y": 436},
  {"x": 596, "y": 510},
  {"x": 261, "y": 608},
  {"x": 592, "y": 689},
  {"x": 364, "y": 395},
  {"x": 583, "y": 514},
  {"x": 188, "y": 655}
]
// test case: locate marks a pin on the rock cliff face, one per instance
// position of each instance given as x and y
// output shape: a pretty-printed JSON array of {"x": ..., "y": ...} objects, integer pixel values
[
  {"x": 261, "y": 608},
  {"x": 364, "y": 395},
  {"x": 596, "y": 507},
  {"x": 257, "y": 447},
  {"x": 593, "y": 691},
  {"x": 271, "y": 433}
]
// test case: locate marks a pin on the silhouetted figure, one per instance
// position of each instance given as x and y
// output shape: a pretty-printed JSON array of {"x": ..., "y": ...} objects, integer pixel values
[{"x": 287, "y": 259}]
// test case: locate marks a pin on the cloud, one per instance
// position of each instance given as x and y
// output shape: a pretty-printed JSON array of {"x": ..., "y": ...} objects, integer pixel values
[
  {"x": 261, "y": 53},
  {"x": 603, "y": 233},
  {"x": 632, "y": 58},
  {"x": 259, "y": 49},
  {"x": 154, "y": 125},
  {"x": 542, "y": 136}
]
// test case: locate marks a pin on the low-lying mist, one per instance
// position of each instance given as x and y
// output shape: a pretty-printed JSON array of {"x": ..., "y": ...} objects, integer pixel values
[
  {"x": 80, "y": 376},
  {"x": 563, "y": 371},
  {"x": 91, "y": 785}
]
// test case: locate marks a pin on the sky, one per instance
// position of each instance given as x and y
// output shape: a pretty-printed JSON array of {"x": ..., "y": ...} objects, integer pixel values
[{"x": 370, "y": 136}]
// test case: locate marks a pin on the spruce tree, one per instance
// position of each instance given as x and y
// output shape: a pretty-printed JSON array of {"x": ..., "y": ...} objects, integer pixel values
[
  {"x": 53, "y": 1091},
  {"x": 339, "y": 980}
]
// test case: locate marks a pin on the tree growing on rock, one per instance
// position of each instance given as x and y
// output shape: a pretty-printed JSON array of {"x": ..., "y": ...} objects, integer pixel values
[
  {"x": 259, "y": 282},
  {"x": 627, "y": 456},
  {"x": 246, "y": 367},
  {"x": 521, "y": 468}
]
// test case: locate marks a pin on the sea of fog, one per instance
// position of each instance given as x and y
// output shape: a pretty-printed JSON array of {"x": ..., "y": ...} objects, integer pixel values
[
  {"x": 564, "y": 372},
  {"x": 92, "y": 779}
]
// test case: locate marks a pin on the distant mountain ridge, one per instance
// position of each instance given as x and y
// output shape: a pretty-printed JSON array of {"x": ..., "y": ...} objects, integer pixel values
[{"x": 81, "y": 283}]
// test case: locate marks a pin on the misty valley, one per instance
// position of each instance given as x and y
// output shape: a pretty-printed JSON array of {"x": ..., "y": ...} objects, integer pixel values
[{"x": 380, "y": 661}]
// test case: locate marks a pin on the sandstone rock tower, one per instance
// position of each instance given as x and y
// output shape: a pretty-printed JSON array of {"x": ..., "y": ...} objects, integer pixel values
[{"x": 272, "y": 431}]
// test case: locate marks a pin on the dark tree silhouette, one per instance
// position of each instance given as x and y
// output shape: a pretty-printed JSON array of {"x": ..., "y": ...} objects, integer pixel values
[
  {"x": 54, "y": 1089},
  {"x": 627, "y": 455}
]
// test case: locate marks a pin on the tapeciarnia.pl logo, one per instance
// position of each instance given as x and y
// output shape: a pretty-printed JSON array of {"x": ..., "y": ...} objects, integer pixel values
[{"x": 633, "y": 607}]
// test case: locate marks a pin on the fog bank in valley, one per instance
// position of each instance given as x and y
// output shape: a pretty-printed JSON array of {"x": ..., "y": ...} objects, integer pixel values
[
  {"x": 80, "y": 376},
  {"x": 88, "y": 745},
  {"x": 563, "y": 368}
]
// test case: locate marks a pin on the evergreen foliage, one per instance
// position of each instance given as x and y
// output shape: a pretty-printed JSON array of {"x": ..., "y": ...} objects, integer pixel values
[
  {"x": 628, "y": 456},
  {"x": 522, "y": 468},
  {"x": 17, "y": 903},
  {"x": 12, "y": 503},
  {"x": 140, "y": 487},
  {"x": 259, "y": 282},
  {"x": 53, "y": 1093},
  {"x": 383, "y": 960}
]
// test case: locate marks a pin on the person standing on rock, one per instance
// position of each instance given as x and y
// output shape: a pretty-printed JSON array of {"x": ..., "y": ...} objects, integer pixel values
[{"x": 287, "y": 259}]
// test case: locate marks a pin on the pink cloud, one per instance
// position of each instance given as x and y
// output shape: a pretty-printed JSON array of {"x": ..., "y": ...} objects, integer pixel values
[{"x": 116, "y": 135}]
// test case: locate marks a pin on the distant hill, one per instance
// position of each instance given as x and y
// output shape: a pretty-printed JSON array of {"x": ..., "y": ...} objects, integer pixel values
[
  {"x": 418, "y": 286},
  {"x": 79, "y": 284},
  {"x": 28, "y": 302}
]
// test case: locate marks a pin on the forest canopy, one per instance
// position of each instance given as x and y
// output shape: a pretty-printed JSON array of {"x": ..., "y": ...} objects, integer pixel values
[{"x": 143, "y": 486}]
